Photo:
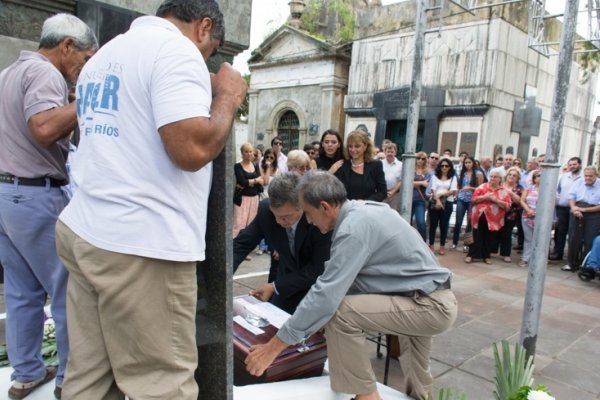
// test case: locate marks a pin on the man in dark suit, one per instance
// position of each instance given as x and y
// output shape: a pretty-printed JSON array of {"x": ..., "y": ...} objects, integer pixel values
[{"x": 302, "y": 248}]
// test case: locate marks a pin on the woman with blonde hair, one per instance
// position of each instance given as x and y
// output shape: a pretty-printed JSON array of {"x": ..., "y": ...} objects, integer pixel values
[
  {"x": 298, "y": 162},
  {"x": 362, "y": 174},
  {"x": 419, "y": 201}
]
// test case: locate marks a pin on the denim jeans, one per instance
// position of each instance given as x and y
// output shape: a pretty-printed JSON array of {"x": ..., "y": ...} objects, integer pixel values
[
  {"x": 418, "y": 213},
  {"x": 462, "y": 208},
  {"x": 28, "y": 216}
]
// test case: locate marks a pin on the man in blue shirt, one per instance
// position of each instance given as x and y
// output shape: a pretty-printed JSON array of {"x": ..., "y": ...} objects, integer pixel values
[{"x": 584, "y": 201}]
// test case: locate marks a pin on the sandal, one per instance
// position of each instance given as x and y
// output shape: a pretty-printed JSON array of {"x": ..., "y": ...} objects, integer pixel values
[
  {"x": 20, "y": 390},
  {"x": 468, "y": 260},
  {"x": 507, "y": 259},
  {"x": 487, "y": 261},
  {"x": 442, "y": 250}
]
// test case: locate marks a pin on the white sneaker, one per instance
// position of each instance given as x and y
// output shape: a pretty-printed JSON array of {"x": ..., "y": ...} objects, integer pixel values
[{"x": 453, "y": 247}]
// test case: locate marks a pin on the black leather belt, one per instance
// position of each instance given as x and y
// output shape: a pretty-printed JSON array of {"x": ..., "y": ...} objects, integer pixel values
[
  {"x": 413, "y": 293},
  {"x": 6, "y": 178}
]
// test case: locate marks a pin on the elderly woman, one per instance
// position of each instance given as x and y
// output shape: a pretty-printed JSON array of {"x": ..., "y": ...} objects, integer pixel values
[
  {"x": 513, "y": 214},
  {"x": 362, "y": 174},
  {"x": 249, "y": 183},
  {"x": 490, "y": 202},
  {"x": 392, "y": 169},
  {"x": 298, "y": 162},
  {"x": 331, "y": 156}
]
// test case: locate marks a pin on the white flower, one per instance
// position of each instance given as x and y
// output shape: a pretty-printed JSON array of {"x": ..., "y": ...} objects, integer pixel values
[{"x": 538, "y": 395}]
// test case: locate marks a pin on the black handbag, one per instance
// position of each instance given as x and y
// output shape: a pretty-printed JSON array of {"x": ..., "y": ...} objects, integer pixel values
[{"x": 237, "y": 195}]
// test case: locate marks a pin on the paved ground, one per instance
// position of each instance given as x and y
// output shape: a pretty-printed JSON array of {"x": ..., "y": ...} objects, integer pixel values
[{"x": 490, "y": 309}]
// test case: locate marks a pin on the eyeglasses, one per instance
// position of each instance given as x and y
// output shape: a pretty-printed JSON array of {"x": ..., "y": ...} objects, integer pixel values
[
  {"x": 445, "y": 166},
  {"x": 278, "y": 144},
  {"x": 434, "y": 158},
  {"x": 269, "y": 158}
]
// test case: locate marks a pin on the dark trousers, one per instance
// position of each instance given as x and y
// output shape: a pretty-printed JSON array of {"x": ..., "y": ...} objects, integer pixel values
[
  {"x": 582, "y": 232},
  {"x": 520, "y": 234},
  {"x": 563, "y": 215},
  {"x": 484, "y": 240},
  {"x": 505, "y": 236},
  {"x": 441, "y": 217}
]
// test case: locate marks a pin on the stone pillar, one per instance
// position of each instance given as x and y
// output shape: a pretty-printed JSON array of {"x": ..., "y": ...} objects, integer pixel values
[
  {"x": 252, "y": 116},
  {"x": 214, "y": 316},
  {"x": 332, "y": 107}
]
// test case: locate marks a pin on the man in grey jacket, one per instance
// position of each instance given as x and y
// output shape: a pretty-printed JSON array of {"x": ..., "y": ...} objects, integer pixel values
[{"x": 381, "y": 277}]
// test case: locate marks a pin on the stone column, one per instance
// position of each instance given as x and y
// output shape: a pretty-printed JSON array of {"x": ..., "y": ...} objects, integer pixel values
[{"x": 214, "y": 316}]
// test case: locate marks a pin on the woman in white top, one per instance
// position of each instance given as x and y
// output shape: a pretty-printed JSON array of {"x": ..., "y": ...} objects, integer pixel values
[{"x": 443, "y": 188}]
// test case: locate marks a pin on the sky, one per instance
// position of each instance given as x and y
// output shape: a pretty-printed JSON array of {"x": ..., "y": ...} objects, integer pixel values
[{"x": 269, "y": 15}]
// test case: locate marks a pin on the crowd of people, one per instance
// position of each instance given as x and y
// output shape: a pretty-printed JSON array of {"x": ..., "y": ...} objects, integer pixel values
[{"x": 493, "y": 200}]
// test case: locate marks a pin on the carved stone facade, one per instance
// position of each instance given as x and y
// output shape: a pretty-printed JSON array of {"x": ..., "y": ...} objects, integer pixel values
[
  {"x": 483, "y": 70},
  {"x": 298, "y": 78}
]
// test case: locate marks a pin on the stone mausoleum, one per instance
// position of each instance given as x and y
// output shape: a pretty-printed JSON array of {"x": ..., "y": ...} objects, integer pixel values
[{"x": 485, "y": 91}]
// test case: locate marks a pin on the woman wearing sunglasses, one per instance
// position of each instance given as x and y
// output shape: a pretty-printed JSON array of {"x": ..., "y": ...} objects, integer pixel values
[
  {"x": 443, "y": 188},
  {"x": 419, "y": 202}
]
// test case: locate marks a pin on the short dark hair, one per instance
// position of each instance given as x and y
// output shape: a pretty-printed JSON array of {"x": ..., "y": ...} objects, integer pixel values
[
  {"x": 283, "y": 190},
  {"x": 195, "y": 10},
  {"x": 575, "y": 159},
  {"x": 274, "y": 139}
]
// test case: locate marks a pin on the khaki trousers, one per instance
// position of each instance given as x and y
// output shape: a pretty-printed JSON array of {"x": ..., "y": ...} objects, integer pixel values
[
  {"x": 131, "y": 323},
  {"x": 414, "y": 319}
]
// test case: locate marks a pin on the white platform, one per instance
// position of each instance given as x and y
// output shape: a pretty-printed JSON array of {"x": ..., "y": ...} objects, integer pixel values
[{"x": 300, "y": 389}]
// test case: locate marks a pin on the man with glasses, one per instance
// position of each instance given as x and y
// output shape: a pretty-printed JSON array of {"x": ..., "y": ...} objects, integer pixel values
[
  {"x": 563, "y": 188},
  {"x": 434, "y": 158},
  {"x": 277, "y": 146},
  {"x": 302, "y": 249},
  {"x": 152, "y": 119}
]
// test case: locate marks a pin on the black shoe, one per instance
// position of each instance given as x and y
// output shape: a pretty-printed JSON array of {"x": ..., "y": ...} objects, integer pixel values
[
  {"x": 58, "y": 392},
  {"x": 555, "y": 257},
  {"x": 569, "y": 268}
]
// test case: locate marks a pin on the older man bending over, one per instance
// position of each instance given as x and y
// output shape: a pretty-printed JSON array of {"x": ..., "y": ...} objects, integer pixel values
[{"x": 381, "y": 277}]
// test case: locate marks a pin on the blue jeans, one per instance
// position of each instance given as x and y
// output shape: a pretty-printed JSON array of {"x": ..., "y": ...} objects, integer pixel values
[
  {"x": 593, "y": 260},
  {"x": 32, "y": 268},
  {"x": 418, "y": 213},
  {"x": 462, "y": 208}
]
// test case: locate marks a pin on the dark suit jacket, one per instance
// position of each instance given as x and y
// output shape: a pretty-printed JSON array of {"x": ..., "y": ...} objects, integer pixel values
[
  {"x": 295, "y": 274},
  {"x": 373, "y": 181}
]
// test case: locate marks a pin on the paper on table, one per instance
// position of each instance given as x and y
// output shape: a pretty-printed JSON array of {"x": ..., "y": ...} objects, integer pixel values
[
  {"x": 244, "y": 324},
  {"x": 274, "y": 315}
]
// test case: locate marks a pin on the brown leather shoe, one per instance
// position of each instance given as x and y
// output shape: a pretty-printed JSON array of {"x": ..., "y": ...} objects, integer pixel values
[
  {"x": 58, "y": 392},
  {"x": 20, "y": 390}
]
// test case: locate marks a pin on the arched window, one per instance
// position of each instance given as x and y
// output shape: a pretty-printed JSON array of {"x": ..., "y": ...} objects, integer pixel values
[{"x": 288, "y": 131}]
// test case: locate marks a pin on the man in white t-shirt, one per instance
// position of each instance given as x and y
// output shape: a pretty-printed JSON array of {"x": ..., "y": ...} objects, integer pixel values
[
  {"x": 507, "y": 162},
  {"x": 277, "y": 145},
  {"x": 152, "y": 119}
]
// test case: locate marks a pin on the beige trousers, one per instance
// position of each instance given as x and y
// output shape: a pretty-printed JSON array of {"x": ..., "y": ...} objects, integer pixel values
[
  {"x": 131, "y": 324},
  {"x": 414, "y": 320}
]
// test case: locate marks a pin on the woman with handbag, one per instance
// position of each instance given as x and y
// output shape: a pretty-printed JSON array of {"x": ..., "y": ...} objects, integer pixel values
[
  {"x": 248, "y": 187},
  {"x": 420, "y": 201},
  {"x": 513, "y": 214},
  {"x": 490, "y": 202},
  {"x": 443, "y": 187},
  {"x": 469, "y": 179}
]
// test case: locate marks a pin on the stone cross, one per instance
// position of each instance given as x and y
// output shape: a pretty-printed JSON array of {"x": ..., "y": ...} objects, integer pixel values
[{"x": 526, "y": 121}]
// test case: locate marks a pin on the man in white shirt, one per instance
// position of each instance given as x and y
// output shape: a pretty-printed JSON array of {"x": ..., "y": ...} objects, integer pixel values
[
  {"x": 152, "y": 118},
  {"x": 392, "y": 168},
  {"x": 277, "y": 145},
  {"x": 507, "y": 162}
]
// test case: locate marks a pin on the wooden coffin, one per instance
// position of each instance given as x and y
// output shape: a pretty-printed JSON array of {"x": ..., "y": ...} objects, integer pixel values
[{"x": 299, "y": 361}]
